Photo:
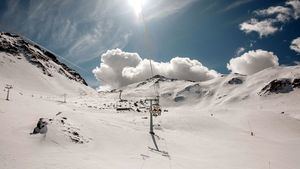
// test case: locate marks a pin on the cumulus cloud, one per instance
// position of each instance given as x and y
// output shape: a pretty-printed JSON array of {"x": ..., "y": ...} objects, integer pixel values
[
  {"x": 263, "y": 28},
  {"x": 252, "y": 62},
  {"x": 295, "y": 45},
  {"x": 118, "y": 68},
  {"x": 272, "y": 18}
]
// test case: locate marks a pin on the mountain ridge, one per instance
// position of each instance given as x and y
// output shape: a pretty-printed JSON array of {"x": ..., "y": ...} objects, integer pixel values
[
  {"x": 226, "y": 88},
  {"x": 36, "y": 55}
]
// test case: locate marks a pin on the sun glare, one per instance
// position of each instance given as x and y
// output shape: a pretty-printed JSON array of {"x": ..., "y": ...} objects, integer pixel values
[{"x": 137, "y": 6}]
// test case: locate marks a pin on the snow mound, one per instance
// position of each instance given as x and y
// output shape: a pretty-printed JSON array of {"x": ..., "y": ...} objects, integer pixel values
[{"x": 71, "y": 132}]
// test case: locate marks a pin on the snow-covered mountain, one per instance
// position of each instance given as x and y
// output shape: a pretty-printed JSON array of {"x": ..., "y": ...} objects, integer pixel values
[
  {"x": 230, "y": 122},
  {"x": 27, "y": 65},
  {"x": 232, "y": 88}
]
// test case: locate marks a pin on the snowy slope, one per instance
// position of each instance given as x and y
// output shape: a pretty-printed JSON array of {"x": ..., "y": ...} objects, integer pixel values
[
  {"x": 226, "y": 89},
  {"x": 26, "y": 65},
  {"x": 203, "y": 125}
]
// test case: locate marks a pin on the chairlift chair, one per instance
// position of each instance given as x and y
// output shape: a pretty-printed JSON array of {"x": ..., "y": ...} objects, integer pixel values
[{"x": 156, "y": 108}]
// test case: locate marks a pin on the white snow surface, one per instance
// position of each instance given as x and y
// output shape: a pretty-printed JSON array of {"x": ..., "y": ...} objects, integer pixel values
[
  {"x": 208, "y": 127},
  {"x": 17, "y": 71}
]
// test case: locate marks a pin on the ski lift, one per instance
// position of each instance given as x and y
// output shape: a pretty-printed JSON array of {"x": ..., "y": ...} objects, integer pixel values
[
  {"x": 156, "y": 109},
  {"x": 122, "y": 104},
  {"x": 120, "y": 97},
  {"x": 8, "y": 87}
]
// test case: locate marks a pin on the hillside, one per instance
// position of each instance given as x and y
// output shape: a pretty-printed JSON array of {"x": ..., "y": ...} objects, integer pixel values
[
  {"x": 279, "y": 82},
  {"x": 26, "y": 65},
  {"x": 230, "y": 122}
]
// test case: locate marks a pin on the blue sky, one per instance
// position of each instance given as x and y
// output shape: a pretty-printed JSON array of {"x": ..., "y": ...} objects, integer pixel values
[{"x": 206, "y": 30}]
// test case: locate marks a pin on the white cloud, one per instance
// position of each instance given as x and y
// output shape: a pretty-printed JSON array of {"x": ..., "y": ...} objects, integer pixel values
[
  {"x": 273, "y": 10},
  {"x": 252, "y": 62},
  {"x": 296, "y": 6},
  {"x": 239, "y": 51},
  {"x": 118, "y": 68},
  {"x": 295, "y": 45},
  {"x": 263, "y": 28},
  {"x": 282, "y": 13},
  {"x": 272, "y": 18}
]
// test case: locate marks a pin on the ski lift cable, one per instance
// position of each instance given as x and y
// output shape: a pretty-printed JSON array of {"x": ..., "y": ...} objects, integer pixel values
[
  {"x": 147, "y": 40},
  {"x": 61, "y": 57},
  {"x": 150, "y": 47}
]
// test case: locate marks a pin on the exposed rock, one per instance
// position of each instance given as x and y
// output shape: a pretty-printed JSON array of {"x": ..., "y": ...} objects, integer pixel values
[
  {"x": 167, "y": 94},
  {"x": 141, "y": 84},
  {"x": 235, "y": 80},
  {"x": 179, "y": 98},
  {"x": 296, "y": 83},
  {"x": 277, "y": 86}
]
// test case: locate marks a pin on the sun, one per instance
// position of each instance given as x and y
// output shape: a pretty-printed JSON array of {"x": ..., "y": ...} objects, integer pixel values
[{"x": 137, "y": 6}]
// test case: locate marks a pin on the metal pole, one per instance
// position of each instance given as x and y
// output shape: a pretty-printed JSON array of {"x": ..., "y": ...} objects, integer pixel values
[
  {"x": 151, "y": 127},
  {"x": 65, "y": 98},
  {"x": 7, "y": 96},
  {"x": 154, "y": 142},
  {"x": 120, "y": 95},
  {"x": 151, "y": 119}
]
